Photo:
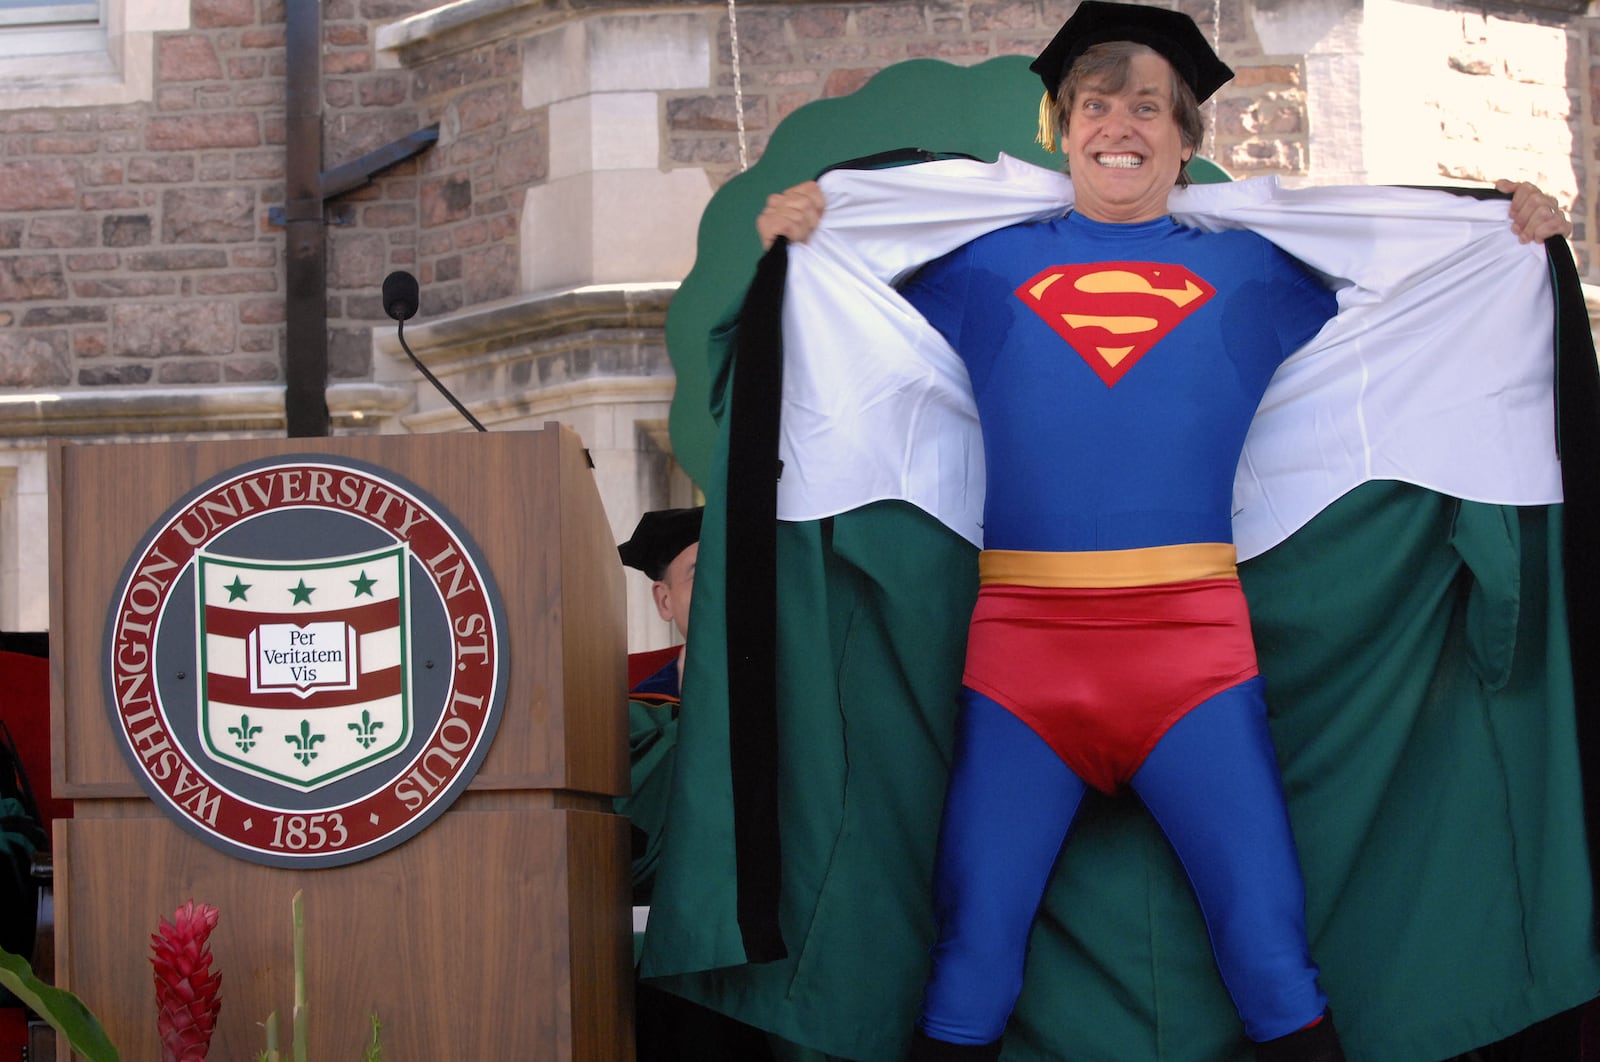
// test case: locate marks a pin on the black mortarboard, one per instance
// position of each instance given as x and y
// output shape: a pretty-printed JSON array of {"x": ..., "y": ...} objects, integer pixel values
[
  {"x": 1171, "y": 33},
  {"x": 658, "y": 539}
]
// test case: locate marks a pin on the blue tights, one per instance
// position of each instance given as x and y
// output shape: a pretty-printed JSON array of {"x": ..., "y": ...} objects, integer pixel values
[{"x": 1212, "y": 785}]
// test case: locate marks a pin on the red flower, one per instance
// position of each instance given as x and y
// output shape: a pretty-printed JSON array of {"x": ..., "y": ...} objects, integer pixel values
[{"x": 186, "y": 989}]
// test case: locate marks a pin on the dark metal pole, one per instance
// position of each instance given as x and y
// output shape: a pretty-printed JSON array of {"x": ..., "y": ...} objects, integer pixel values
[{"x": 306, "y": 271}]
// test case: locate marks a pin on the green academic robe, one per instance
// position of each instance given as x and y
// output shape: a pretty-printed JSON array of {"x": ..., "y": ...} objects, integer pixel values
[{"x": 1418, "y": 666}]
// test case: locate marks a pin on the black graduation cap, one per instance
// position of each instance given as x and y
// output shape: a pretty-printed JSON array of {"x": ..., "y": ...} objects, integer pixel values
[
  {"x": 658, "y": 539},
  {"x": 1172, "y": 34}
]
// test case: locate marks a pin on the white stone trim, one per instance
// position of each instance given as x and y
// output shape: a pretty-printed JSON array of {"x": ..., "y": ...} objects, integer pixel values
[
  {"x": 453, "y": 27},
  {"x": 602, "y": 243},
  {"x": 120, "y": 71},
  {"x": 605, "y": 131},
  {"x": 617, "y": 52},
  {"x": 531, "y": 408},
  {"x": 24, "y": 541},
  {"x": 144, "y": 411},
  {"x": 490, "y": 325}
]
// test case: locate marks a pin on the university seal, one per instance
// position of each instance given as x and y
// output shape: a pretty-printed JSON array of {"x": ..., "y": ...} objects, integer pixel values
[{"x": 304, "y": 661}]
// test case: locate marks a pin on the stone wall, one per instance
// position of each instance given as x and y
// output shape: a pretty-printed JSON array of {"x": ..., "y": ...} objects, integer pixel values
[
  {"x": 137, "y": 245},
  {"x": 133, "y": 245},
  {"x": 142, "y": 262},
  {"x": 793, "y": 54},
  {"x": 1484, "y": 94}
]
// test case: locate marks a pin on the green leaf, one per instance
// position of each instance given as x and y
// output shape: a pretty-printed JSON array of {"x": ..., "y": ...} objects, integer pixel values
[{"x": 65, "y": 1012}]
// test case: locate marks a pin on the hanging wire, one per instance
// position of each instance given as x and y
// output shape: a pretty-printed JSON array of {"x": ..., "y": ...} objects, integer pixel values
[
  {"x": 1216, "y": 46},
  {"x": 738, "y": 85}
]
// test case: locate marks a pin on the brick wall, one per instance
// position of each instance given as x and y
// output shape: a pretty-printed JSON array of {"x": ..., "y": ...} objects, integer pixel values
[
  {"x": 490, "y": 149},
  {"x": 135, "y": 242},
  {"x": 1585, "y": 87},
  {"x": 142, "y": 275},
  {"x": 133, "y": 248}
]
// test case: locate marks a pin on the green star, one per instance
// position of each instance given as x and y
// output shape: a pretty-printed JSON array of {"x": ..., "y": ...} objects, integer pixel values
[
  {"x": 302, "y": 593},
  {"x": 363, "y": 585},
  {"x": 236, "y": 589}
]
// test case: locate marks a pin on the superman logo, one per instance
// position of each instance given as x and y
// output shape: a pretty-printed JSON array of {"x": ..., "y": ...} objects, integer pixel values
[{"x": 1113, "y": 313}]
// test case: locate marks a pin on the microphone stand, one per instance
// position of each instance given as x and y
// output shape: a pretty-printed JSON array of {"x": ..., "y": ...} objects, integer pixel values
[
  {"x": 400, "y": 331},
  {"x": 401, "y": 300}
]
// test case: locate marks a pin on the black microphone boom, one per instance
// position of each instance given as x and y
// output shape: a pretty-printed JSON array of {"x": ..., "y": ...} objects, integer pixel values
[{"x": 400, "y": 301}]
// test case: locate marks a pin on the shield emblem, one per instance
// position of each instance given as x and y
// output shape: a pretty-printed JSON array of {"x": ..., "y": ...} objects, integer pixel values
[
  {"x": 1114, "y": 313},
  {"x": 304, "y": 664}
]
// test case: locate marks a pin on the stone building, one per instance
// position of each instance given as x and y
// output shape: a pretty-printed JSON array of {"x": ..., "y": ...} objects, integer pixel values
[{"x": 146, "y": 191}]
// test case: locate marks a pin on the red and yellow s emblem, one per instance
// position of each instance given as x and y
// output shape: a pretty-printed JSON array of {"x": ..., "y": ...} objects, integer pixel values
[{"x": 1113, "y": 313}]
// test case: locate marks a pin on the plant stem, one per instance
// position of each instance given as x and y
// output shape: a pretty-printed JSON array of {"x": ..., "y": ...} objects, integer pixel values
[
  {"x": 375, "y": 1048},
  {"x": 301, "y": 1023}
]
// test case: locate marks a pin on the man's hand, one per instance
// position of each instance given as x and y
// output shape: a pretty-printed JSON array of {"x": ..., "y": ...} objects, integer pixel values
[
  {"x": 1535, "y": 216},
  {"x": 793, "y": 213}
]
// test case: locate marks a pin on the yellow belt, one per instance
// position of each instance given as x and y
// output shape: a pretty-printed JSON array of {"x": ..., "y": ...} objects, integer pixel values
[{"x": 1149, "y": 566}]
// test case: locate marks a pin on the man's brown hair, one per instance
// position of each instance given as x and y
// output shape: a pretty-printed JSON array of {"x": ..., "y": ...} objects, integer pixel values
[{"x": 1109, "y": 66}]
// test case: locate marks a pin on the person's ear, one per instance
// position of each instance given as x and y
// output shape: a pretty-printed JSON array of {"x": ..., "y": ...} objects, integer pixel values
[{"x": 663, "y": 599}]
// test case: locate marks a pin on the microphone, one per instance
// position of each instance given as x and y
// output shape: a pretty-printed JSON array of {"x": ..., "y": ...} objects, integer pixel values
[
  {"x": 400, "y": 295},
  {"x": 400, "y": 301}
]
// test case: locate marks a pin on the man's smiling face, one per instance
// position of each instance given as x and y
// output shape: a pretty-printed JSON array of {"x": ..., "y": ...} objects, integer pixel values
[{"x": 1124, "y": 147}]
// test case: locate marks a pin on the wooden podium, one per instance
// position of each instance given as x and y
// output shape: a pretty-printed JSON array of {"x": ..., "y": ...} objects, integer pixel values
[{"x": 498, "y": 931}]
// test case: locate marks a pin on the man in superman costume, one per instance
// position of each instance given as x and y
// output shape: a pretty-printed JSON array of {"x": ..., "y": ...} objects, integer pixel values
[
  {"x": 1110, "y": 645},
  {"x": 1112, "y": 429}
]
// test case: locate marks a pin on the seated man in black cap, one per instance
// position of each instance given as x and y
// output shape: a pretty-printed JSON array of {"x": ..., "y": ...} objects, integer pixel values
[
  {"x": 1110, "y": 646},
  {"x": 665, "y": 546}
]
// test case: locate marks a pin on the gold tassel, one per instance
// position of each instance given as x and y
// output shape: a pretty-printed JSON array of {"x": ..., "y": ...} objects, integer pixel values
[{"x": 1047, "y": 124}]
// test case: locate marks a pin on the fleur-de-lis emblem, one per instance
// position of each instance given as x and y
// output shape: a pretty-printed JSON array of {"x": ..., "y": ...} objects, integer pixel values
[
  {"x": 367, "y": 729},
  {"x": 303, "y": 742},
  {"x": 244, "y": 734}
]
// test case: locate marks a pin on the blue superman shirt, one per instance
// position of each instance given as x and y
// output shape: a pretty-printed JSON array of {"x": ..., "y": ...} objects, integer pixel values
[{"x": 1116, "y": 370}]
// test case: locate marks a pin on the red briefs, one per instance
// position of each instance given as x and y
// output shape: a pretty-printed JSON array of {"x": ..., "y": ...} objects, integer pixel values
[{"x": 1102, "y": 673}]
